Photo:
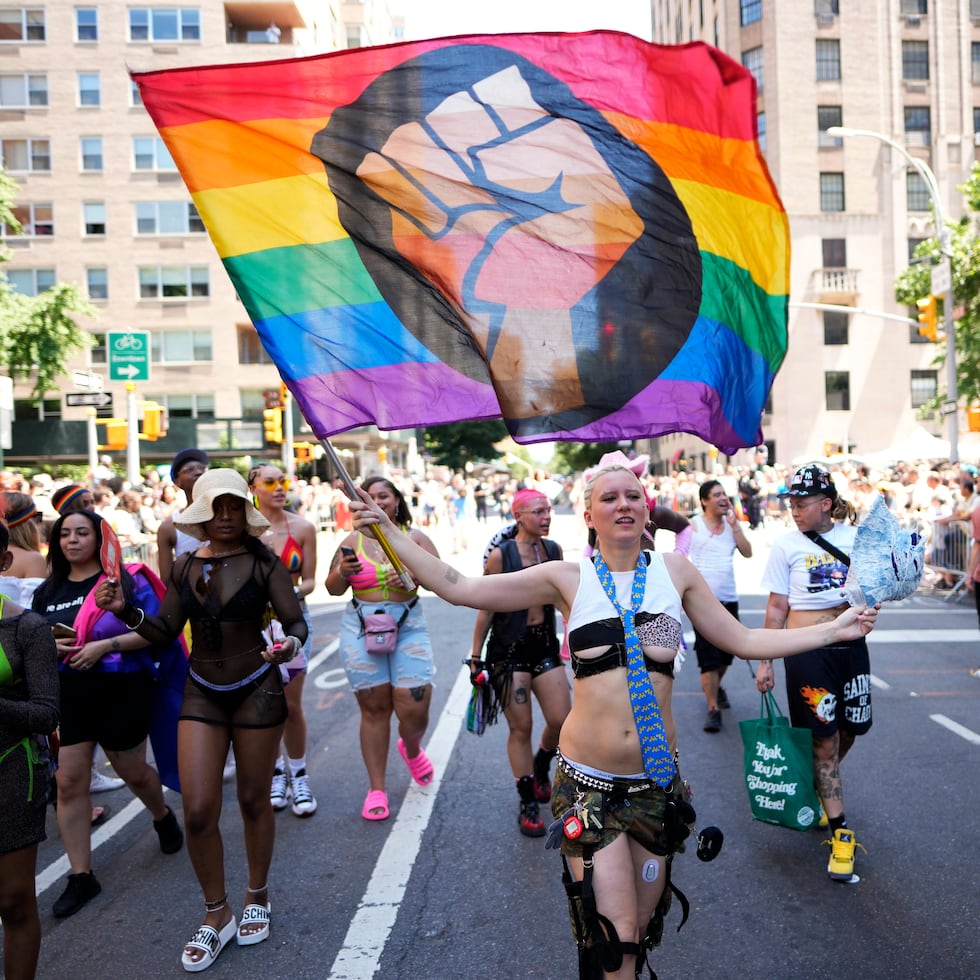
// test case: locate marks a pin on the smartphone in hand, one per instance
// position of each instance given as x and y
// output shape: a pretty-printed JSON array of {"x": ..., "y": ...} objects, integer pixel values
[{"x": 63, "y": 632}]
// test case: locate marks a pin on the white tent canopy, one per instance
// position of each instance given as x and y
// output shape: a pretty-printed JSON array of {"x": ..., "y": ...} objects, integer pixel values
[{"x": 918, "y": 445}]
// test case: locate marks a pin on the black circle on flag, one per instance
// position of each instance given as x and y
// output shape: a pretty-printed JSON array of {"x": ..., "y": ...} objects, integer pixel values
[{"x": 514, "y": 231}]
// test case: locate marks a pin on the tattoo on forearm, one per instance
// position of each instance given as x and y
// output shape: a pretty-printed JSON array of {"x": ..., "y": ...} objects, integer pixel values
[{"x": 452, "y": 576}]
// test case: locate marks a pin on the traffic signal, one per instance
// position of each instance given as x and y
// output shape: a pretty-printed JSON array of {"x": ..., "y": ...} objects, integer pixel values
[
  {"x": 382, "y": 454},
  {"x": 303, "y": 452},
  {"x": 116, "y": 434},
  {"x": 927, "y": 317},
  {"x": 154, "y": 421},
  {"x": 272, "y": 424}
]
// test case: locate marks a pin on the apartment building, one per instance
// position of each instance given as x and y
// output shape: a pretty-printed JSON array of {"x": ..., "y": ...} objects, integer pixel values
[
  {"x": 102, "y": 203},
  {"x": 906, "y": 69}
]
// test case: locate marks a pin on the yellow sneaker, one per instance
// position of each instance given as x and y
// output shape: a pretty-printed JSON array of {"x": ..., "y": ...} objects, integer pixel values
[
  {"x": 840, "y": 867},
  {"x": 823, "y": 823}
]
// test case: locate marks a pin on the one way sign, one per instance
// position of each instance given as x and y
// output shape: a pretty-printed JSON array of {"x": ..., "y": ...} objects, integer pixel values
[{"x": 101, "y": 399}]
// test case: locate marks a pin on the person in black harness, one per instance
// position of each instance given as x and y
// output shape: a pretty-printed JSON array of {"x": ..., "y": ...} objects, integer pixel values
[
  {"x": 621, "y": 808},
  {"x": 523, "y": 657}
]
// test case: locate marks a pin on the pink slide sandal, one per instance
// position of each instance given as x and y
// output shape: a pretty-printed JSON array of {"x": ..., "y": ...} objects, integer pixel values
[
  {"x": 420, "y": 767},
  {"x": 377, "y": 799}
]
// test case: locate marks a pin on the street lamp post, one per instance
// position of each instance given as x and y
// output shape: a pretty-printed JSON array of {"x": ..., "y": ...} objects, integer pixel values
[{"x": 946, "y": 248}]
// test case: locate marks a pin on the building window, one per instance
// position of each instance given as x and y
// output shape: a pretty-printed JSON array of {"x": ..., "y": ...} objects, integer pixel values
[
  {"x": 167, "y": 218},
  {"x": 35, "y": 220},
  {"x": 837, "y": 387},
  {"x": 22, "y": 91},
  {"x": 352, "y": 36},
  {"x": 89, "y": 88},
  {"x": 174, "y": 282},
  {"x": 749, "y": 11},
  {"x": 250, "y": 349},
  {"x": 975, "y": 9},
  {"x": 975, "y": 62},
  {"x": 135, "y": 99},
  {"x": 30, "y": 282},
  {"x": 976, "y": 119},
  {"x": 917, "y": 125},
  {"x": 187, "y": 406},
  {"x": 912, "y": 8},
  {"x": 26, "y": 156},
  {"x": 832, "y": 192},
  {"x": 91, "y": 147},
  {"x": 97, "y": 287},
  {"x": 760, "y": 128},
  {"x": 835, "y": 328},
  {"x": 752, "y": 60},
  {"x": 180, "y": 346},
  {"x": 826, "y": 8},
  {"x": 834, "y": 253},
  {"x": 924, "y": 387},
  {"x": 917, "y": 196},
  {"x": 914, "y": 243},
  {"x": 828, "y": 60},
  {"x": 151, "y": 153},
  {"x": 86, "y": 24},
  {"x": 915, "y": 61},
  {"x": 164, "y": 24},
  {"x": 827, "y": 116},
  {"x": 93, "y": 215},
  {"x": 98, "y": 352},
  {"x": 21, "y": 24}
]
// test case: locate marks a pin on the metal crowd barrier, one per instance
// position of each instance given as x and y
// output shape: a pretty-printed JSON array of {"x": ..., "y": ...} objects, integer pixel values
[{"x": 948, "y": 553}]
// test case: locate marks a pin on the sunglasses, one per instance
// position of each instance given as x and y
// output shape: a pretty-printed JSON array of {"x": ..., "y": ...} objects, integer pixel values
[{"x": 270, "y": 484}]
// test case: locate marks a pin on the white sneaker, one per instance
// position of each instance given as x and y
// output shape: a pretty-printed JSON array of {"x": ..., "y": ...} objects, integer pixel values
[
  {"x": 103, "y": 784},
  {"x": 279, "y": 793},
  {"x": 304, "y": 802}
]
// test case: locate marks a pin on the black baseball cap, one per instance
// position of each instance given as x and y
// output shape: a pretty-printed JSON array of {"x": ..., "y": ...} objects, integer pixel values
[
  {"x": 811, "y": 481},
  {"x": 188, "y": 456}
]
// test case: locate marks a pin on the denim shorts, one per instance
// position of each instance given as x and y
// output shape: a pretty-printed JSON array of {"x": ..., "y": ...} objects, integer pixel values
[{"x": 411, "y": 665}]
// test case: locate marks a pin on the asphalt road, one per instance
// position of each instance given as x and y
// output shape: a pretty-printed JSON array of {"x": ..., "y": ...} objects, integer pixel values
[{"x": 448, "y": 887}]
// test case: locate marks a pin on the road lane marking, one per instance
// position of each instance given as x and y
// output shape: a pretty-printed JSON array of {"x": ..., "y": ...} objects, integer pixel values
[
  {"x": 55, "y": 871},
  {"x": 956, "y": 728},
  {"x": 374, "y": 919}
]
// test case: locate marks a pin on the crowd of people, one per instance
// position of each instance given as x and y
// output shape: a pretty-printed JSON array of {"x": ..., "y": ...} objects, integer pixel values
[{"x": 217, "y": 570}]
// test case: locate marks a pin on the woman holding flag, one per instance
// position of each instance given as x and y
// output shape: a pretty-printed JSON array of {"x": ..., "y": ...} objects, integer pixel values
[{"x": 621, "y": 808}]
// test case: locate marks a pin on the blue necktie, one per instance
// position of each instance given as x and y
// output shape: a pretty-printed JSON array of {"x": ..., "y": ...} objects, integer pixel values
[{"x": 657, "y": 761}]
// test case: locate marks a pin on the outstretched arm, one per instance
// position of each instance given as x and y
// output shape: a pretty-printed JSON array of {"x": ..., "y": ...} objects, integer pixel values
[
  {"x": 713, "y": 621},
  {"x": 544, "y": 584}
]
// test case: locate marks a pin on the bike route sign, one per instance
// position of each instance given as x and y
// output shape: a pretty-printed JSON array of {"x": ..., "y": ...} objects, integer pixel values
[{"x": 129, "y": 356}]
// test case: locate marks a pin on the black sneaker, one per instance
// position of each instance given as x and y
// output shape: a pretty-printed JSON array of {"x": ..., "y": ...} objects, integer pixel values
[
  {"x": 169, "y": 832},
  {"x": 81, "y": 889},
  {"x": 712, "y": 722},
  {"x": 723, "y": 701}
]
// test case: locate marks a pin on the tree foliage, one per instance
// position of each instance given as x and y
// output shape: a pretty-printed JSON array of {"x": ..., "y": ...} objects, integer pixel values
[
  {"x": 458, "y": 443},
  {"x": 38, "y": 334},
  {"x": 579, "y": 456},
  {"x": 914, "y": 284}
]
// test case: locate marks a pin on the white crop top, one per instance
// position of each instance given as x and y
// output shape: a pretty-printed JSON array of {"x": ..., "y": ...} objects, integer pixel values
[{"x": 591, "y": 603}]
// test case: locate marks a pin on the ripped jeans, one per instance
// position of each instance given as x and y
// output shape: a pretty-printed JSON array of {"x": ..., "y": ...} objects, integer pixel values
[{"x": 411, "y": 665}]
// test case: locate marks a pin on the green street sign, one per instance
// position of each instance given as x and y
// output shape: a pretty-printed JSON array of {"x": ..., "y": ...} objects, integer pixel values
[{"x": 129, "y": 356}]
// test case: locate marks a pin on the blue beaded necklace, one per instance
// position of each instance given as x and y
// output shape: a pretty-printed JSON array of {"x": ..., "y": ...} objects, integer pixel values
[{"x": 657, "y": 761}]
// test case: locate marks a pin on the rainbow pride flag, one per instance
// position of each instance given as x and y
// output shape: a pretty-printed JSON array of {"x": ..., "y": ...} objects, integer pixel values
[{"x": 576, "y": 233}]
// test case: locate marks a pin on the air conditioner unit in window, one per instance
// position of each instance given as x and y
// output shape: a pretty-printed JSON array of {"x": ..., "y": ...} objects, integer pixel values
[
  {"x": 976, "y": 139},
  {"x": 825, "y": 20},
  {"x": 911, "y": 21}
]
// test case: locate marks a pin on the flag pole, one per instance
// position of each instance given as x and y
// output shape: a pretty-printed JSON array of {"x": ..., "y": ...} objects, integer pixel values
[{"x": 379, "y": 535}]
